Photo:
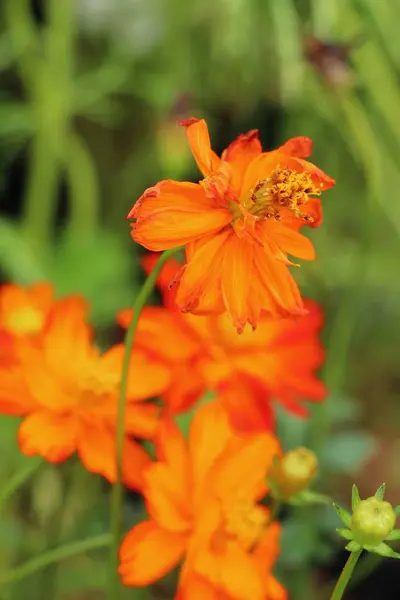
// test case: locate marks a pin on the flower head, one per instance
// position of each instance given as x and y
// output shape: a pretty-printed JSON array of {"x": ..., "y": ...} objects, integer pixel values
[
  {"x": 67, "y": 392},
  {"x": 239, "y": 224},
  {"x": 276, "y": 362},
  {"x": 202, "y": 498}
]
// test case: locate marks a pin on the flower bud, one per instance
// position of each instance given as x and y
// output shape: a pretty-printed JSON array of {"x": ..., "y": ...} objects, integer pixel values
[
  {"x": 293, "y": 472},
  {"x": 372, "y": 521}
]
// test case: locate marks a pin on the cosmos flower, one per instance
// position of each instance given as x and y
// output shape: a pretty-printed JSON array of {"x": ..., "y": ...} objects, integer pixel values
[
  {"x": 238, "y": 225},
  {"x": 203, "y": 497}
]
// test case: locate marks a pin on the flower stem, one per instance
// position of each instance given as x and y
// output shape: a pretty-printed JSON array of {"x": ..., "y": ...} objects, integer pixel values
[
  {"x": 345, "y": 575},
  {"x": 19, "y": 478},
  {"x": 52, "y": 556},
  {"x": 117, "y": 492}
]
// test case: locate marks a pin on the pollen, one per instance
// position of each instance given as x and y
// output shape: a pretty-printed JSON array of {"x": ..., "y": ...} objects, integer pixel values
[{"x": 284, "y": 189}]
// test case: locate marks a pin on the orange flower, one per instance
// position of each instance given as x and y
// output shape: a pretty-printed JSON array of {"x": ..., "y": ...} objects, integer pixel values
[
  {"x": 23, "y": 312},
  {"x": 238, "y": 225},
  {"x": 67, "y": 391},
  {"x": 278, "y": 361},
  {"x": 202, "y": 498}
]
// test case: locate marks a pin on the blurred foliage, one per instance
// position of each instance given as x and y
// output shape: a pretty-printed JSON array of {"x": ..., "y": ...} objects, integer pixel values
[{"x": 89, "y": 95}]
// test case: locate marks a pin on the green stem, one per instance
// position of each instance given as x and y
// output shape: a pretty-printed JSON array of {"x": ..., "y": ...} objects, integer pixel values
[
  {"x": 19, "y": 478},
  {"x": 117, "y": 492},
  {"x": 58, "y": 554},
  {"x": 344, "y": 578}
]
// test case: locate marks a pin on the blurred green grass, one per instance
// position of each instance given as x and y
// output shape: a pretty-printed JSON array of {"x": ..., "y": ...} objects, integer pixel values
[{"x": 89, "y": 95}]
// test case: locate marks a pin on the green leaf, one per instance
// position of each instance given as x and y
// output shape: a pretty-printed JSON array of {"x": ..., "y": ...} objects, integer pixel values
[
  {"x": 380, "y": 492},
  {"x": 383, "y": 550},
  {"x": 355, "y": 497},
  {"x": 344, "y": 515},
  {"x": 394, "y": 535},
  {"x": 345, "y": 533},
  {"x": 397, "y": 510},
  {"x": 353, "y": 547}
]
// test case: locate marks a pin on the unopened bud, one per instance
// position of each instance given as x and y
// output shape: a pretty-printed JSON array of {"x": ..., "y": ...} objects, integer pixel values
[
  {"x": 293, "y": 472},
  {"x": 372, "y": 521}
]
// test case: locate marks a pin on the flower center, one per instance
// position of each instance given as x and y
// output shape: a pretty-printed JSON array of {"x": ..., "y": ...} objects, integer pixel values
[
  {"x": 97, "y": 384},
  {"x": 27, "y": 321},
  {"x": 245, "y": 522},
  {"x": 284, "y": 189}
]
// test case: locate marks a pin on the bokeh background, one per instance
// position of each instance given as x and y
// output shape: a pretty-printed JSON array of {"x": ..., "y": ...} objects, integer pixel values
[{"x": 90, "y": 92}]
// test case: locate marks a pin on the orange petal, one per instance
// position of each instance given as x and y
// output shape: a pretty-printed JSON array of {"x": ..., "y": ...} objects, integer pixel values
[
  {"x": 201, "y": 281},
  {"x": 195, "y": 587},
  {"x": 248, "y": 404},
  {"x": 174, "y": 213},
  {"x": 288, "y": 240},
  {"x": 168, "y": 480},
  {"x": 208, "y": 436},
  {"x": 52, "y": 436},
  {"x": 237, "y": 272},
  {"x": 301, "y": 147},
  {"x": 169, "y": 276},
  {"x": 234, "y": 571},
  {"x": 278, "y": 284},
  {"x": 148, "y": 553},
  {"x": 239, "y": 155},
  {"x": 199, "y": 142},
  {"x": 142, "y": 419},
  {"x": 97, "y": 451}
]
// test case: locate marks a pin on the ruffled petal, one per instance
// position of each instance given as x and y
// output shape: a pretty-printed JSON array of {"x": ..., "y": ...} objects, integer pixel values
[
  {"x": 52, "y": 436},
  {"x": 237, "y": 272},
  {"x": 239, "y": 155},
  {"x": 200, "y": 285},
  {"x": 281, "y": 292},
  {"x": 199, "y": 142},
  {"x": 288, "y": 240},
  {"x": 174, "y": 213},
  {"x": 148, "y": 553},
  {"x": 301, "y": 147}
]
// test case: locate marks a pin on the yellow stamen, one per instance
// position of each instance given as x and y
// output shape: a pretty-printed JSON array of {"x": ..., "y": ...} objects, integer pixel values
[
  {"x": 245, "y": 522},
  {"x": 284, "y": 189}
]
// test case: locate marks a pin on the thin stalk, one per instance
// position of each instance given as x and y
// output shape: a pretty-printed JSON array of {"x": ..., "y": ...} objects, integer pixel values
[
  {"x": 53, "y": 556},
  {"x": 19, "y": 478},
  {"x": 117, "y": 492},
  {"x": 345, "y": 576}
]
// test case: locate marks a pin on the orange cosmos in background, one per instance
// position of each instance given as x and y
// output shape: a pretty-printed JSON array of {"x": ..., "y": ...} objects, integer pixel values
[
  {"x": 238, "y": 225},
  {"x": 23, "y": 312},
  {"x": 202, "y": 498},
  {"x": 278, "y": 361},
  {"x": 67, "y": 392}
]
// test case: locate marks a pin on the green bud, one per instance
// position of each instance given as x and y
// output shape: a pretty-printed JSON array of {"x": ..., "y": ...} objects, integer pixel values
[
  {"x": 372, "y": 521},
  {"x": 293, "y": 472}
]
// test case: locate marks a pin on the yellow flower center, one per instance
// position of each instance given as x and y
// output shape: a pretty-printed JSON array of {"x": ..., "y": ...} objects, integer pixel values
[
  {"x": 27, "y": 321},
  {"x": 284, "y": 189},
  {"x": 245, "y": 522}
]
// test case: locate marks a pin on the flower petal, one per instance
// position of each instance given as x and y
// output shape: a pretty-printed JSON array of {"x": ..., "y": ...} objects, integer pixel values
[
  {"x": 97, "y": 451},
  {"x": 199, "y": 287},
  {"x": 148, "y": 553},
  {"x": 167, "y": 482},
  {"x": 239, "y": 155},
  {"x": 300, "y": 147},
  {"x": 199, "y": 141},
  {"x": 52, "y": 436},
  {"x": 237, "y": 272},
  {"x": 174, "y": 213},
  {"x": 288, "y": 240}
]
